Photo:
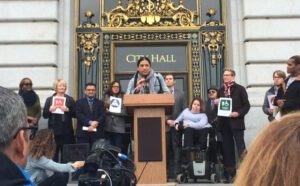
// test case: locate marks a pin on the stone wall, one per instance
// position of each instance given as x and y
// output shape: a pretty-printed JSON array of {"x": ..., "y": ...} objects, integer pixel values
[
  {"x": 262, "y": 35},
  {"x": 35, "y": 42}
]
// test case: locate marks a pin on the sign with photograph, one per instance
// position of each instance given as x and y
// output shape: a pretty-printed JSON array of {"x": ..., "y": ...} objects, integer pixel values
[{"x": 58, "y": 102}]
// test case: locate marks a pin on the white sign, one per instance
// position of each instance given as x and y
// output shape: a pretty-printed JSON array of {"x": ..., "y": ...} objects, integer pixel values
[
  {"x": 225, "y": 107},
  {"x": 84, "y": 128},
  {"x": 271, "y": 101},
  {"x": 58, "y": 102},
  {"x": 115, "y": 104}
]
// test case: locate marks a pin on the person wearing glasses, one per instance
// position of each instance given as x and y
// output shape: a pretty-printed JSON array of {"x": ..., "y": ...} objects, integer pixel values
[
  {"x": 14, "y": 139},
  {"x": 211, "y": 110},
  {"x": 115, "y": 120},
  {"x": 90, "y": 113},
  {"x": 40, "y": 163},
  {"x": 211, "y": 106},
  {"x": 232, "y": 127},
  {"x": 31, "y": 101},
  {"x": 59, "y": 109},
  {"x": 278, "y": 80}
]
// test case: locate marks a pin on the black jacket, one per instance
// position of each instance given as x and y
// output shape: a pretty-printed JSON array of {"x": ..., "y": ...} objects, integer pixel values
[
  {"x": 10, "y": 174},
  {"x": 60, "y": 123},
  {"x": 291, "y": 96},
  {"x": 84, "y": 115},
  {"x": 240, "y": 104}
]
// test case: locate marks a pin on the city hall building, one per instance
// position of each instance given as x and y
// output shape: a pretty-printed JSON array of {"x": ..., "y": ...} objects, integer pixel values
[{"x": 99, "y": 41}]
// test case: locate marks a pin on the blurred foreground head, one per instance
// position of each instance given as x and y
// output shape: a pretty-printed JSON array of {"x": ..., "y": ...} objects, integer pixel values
[
  {"x": 273, "y": 158},
  {"x": 14, "y": 136}
]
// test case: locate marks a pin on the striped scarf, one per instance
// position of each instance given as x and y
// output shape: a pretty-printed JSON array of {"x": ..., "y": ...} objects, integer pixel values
[{"x": 227, "y": 87}]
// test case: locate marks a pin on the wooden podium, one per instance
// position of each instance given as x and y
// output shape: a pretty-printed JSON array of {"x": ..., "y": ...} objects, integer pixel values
[{"x": 149, "y": 135}]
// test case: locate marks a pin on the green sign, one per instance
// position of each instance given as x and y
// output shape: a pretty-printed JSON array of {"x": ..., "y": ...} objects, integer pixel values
[{"x": 225, "y": 105}]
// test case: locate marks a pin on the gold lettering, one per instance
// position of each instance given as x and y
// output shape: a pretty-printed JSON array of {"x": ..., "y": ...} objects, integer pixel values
[
  {"x": 155, "y": 58},
  {"x": 162, "y": 59},
  {"x": 130, "y": 58},
  {"x": 172, "y": 59}
]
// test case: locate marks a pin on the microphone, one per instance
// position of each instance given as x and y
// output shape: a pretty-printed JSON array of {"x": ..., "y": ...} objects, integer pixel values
[{"x": 122, "y": 156}]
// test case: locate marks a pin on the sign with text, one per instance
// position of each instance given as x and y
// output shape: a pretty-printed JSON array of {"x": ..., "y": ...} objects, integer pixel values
[
  {"x": 163, "y": 57},
  {"x": 225, "y": 107}
]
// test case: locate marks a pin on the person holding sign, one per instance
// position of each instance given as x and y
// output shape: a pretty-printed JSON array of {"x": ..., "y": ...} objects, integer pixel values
[
  {"x": 59, "y": 109},
  {"x": 233, "y": 98},
  {"x": 268, "y": 106},
  {"x": 115, "y": 115}
]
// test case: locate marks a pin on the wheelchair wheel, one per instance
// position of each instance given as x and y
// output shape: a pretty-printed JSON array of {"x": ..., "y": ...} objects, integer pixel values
[{"x": 181, "y": 178}]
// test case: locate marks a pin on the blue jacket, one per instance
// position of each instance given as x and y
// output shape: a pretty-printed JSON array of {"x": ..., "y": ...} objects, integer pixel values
[{"x": 37, "y": 168}]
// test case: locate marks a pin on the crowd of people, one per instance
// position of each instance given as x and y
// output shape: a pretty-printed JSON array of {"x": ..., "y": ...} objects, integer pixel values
[{"x": 268, "y": 162}]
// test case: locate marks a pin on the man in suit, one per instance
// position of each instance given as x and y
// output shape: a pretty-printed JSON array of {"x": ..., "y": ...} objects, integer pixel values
[
  {"x": 172, "y": 142},
  {"x": 90, "y": 113},
  {"x": 232, "y": 127},
  {"x": 15, "y": 134}
]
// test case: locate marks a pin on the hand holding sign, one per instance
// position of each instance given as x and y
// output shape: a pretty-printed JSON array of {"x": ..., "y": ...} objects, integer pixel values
[
  {"x": 225, "y": 107},
  {"x": 115, "y": 104},
  {"x": 57, "y": 104}
]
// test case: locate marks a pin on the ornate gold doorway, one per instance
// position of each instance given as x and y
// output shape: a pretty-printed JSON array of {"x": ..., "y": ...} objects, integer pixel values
[{"x": 185, "y": 38}]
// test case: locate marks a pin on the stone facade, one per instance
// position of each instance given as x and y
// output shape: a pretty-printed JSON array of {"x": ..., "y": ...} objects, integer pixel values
[{"x": 262, "y": 35}]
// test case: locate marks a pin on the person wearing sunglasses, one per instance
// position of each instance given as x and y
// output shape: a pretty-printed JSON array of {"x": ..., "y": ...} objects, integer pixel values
[
  {"x": 31, "y": 101},
  {"x": 14, "y": 139},
  {"x": 211, "y": 107}
]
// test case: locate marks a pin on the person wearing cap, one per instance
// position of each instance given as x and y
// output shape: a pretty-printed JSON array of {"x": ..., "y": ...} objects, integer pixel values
[
  {"x": 145, "y": 80},
  {"x": 211, "y": 107}
]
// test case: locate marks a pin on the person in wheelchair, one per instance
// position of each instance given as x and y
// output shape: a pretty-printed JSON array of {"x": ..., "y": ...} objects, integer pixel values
[{"x": 193, "y": 125}]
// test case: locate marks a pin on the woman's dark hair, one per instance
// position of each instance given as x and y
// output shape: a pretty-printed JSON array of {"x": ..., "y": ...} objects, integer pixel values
[
  {"x": 22, "y": 82},
  {"x": 110, "y": 92},
  {"x": 201, "y": 104},
  {"x": 43, "y": 144},
  {"x": 144, "y": 58}
]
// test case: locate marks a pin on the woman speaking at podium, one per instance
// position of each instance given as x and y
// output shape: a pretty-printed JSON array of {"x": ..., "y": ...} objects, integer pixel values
[{"x": 145, "y": 80}]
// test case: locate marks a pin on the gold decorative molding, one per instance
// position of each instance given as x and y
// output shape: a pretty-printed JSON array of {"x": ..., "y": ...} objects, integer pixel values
[
  {"x": 88, "y": 41},
  {"x": 213, "y": 32},
  {"x": 191, "y": 38},
  {"x": 145, "y": 13}
]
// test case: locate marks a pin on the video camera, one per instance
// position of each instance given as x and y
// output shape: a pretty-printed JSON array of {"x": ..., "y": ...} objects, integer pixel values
[{"x": 106, "y": 166}]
